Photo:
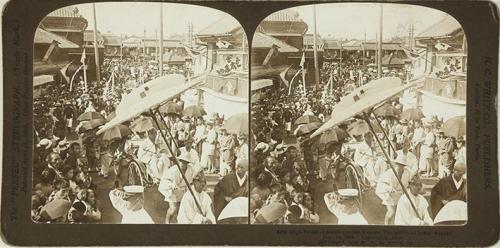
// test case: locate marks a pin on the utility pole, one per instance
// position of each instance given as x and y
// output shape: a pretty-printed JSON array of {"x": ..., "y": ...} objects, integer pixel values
[
  {"x": 121, "y": 50},
  {"x": 144, "y": 43},
  {"x": 96, "y": 48},
  {"x": 379, "y": 65},
  {"x": 161, "y": 39},
  {"x": 315, "y": 49},
  {"x": 340, "y": 61},
  {"x": 190, "y": 34},
  {"x": 156, "y": 45}
]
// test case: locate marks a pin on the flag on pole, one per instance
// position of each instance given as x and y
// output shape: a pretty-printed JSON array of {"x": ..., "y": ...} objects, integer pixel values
[
  {"x": 63, "y": 71},
  {"x": 82, "y": 60},
  {"x": 303, "y": 60}
]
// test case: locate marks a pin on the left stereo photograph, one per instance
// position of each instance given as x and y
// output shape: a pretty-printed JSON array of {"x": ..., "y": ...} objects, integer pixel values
[{"x": 140, "y": 115}]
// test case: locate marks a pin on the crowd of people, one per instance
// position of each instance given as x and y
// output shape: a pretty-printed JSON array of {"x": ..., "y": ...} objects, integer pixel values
[
  {"x": 287, "y": 165},
  {"x": 69, "y": 154}
]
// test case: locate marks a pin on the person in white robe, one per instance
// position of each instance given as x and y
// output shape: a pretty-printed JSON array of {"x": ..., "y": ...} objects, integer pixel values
[
  {"x": 343, "y": 204},
  {"x": 189, "y": 213},
  {"x": 173, "y": 186},
  {"x": 227, "y": 145},
  {"x": 208, "y": 148},
  {"x": 410, "y": 157},
  {"x": 148, "y": 154},
  {"x": 130, "y": 203},
  {"x": 389, "y": 189},
  {"x": 405, "y": 214},
  {"x": 461, "y": 153},
  {"x": 367, "y": 157},
  {"x": 193, "y": 154},
  {"x": 199, "y": 135},
  {"x": 417, "y": 138},
  {"x": 427, "y": 152},
  {"x": 242, "y": 149}
]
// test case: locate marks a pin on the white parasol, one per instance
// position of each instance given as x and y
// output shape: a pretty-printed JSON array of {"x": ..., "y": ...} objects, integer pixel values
[
  {"x": 363, "y": 99},
  {"x": 236, "y": 208},
  {"x": 150, "y": 95},
  {"x": 453, "y": 211}
]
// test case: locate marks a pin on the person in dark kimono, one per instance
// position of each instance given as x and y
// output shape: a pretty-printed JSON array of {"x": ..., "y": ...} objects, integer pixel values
[
  {"x": 234, "y": 184},
  {"x": 452, "y": 187}
]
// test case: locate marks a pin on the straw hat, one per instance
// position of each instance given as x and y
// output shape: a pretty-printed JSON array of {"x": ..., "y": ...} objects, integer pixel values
[
  {"x": 271, "y": 212},
  {"x": 185, "y": 157},
  {"x": 45, "y": 143},
  {"x": 263, "y": 147},
  {"x": 401, "y": 159}
]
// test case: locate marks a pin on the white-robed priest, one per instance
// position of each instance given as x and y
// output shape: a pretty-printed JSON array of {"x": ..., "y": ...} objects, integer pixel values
[
  {"x": 343, "y": 204},
  {"x": 189, "y": 212},
  {"x": 130, "y": 203}
]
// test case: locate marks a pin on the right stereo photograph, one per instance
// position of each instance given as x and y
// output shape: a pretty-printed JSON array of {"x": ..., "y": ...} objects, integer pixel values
[{"x": 358, "y": 116}]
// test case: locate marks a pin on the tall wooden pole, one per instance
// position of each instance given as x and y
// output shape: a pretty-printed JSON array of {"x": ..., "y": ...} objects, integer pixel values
[
  {"x": 161, "y": 40},
  {"x": 96, "y": 48},
  {"x": 121, "y": 49},
  {"x": 379, "y": 65},
  {"x": 157, "y": 49},
  {"x": 315, "y": 49}
]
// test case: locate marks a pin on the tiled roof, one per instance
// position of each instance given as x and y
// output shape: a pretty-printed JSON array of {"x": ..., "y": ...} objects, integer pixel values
[
  {"x": 392, "y": 60},
  {"x": 224, "y": 25},
  {"x": 287, "y": 15},
  {"x": 88, "y": 35},
  {"x": 352, "y": 45},
  {"x": 308, "y": 40},
  {"x": 166, "y": 43},
  {"x": 444, "y": 27},
  {"x": 69, "y": 11},
  {"x": 112, "y": 40},
  {"x": 46, "y": 37},
  {"x": 331, "y": 44},
  {"x": 385, "y": 46},
  {"x": 261, "y": 40}
]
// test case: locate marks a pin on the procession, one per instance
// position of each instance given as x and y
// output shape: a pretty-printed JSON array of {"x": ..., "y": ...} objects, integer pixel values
[
  {"x": 125, "y": 134},
  {"x": 354, "y": 132}
]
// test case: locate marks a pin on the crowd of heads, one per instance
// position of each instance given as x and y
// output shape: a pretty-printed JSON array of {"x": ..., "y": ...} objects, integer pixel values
[
  {"x": 286, "y": 164},
  {"x": 66, "y": 153}
]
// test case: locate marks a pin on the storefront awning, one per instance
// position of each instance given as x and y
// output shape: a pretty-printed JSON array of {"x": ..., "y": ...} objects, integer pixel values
[
  {"x": 42, "y": 79},
  {"x": 261, "y": 83}
]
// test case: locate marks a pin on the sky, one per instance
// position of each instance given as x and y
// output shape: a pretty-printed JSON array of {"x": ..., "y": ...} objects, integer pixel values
[
  {"x": 352, "y": 20},
  {"x": 337, "y": 20},
  {"x": 131, "y": 18}
]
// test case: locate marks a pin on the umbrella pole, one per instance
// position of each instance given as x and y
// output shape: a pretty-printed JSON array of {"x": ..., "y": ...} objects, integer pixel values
[
  {"x": 385, "y": 134},
  {"x": 367, "y": 119},
  {"x": 168, "y": 130},
  {"x": 178, "y": 165}
]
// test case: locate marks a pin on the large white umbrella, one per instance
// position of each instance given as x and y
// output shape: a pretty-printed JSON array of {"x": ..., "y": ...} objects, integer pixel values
[
  {"x": 453, "y": 212},
  {"x": 236, "y": 208},
  {"x": 149, "y": 96},
  {"x": 363, "y": 99}
]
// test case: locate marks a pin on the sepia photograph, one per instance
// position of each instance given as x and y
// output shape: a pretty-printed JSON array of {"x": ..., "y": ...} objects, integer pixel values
[
  {"x": 140, "y": 115},
  {"x": 358, "y": 116}
]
